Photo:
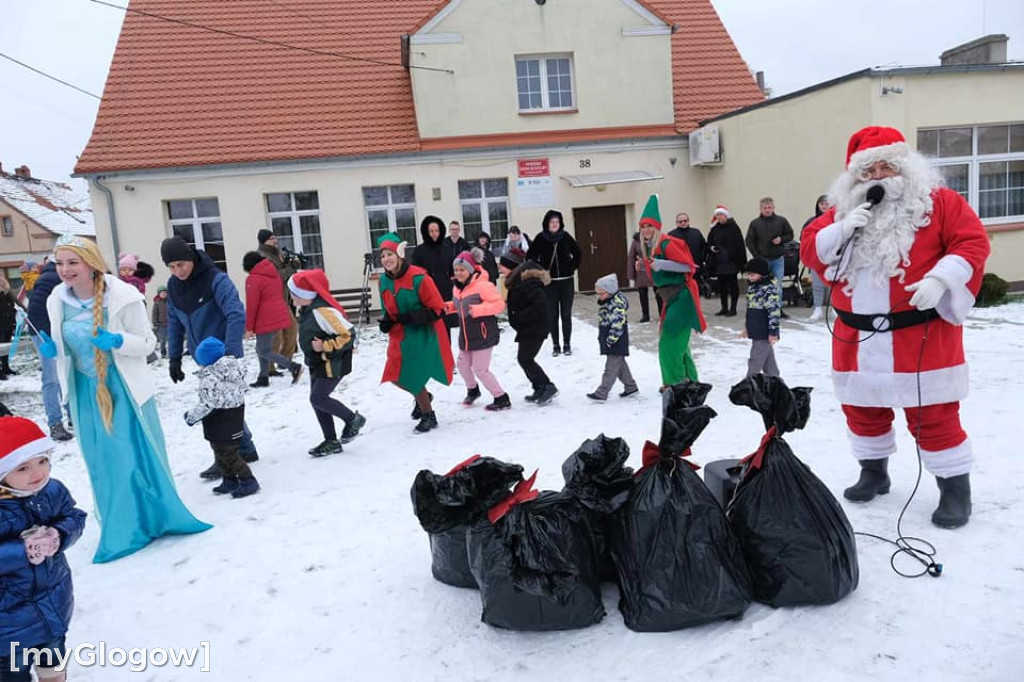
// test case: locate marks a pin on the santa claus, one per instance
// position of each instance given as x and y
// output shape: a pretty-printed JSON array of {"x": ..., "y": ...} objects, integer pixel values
[{"x": 904, "y": 257}]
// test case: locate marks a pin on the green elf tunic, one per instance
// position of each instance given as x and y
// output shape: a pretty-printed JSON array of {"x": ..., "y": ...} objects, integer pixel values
[
  {"x": 416, "y": 352},
  {"x": 672, "y": 269}
]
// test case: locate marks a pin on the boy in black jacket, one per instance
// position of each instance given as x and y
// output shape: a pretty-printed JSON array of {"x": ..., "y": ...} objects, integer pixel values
[
  {"x": 527, "y": 313},
  {"x": 764, "y": 305}
]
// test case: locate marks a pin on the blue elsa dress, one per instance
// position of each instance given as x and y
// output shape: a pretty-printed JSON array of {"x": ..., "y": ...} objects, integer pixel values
[{"x": 136, "y": 501}]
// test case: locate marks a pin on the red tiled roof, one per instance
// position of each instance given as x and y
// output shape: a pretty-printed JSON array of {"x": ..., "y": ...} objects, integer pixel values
[{"x": 180, "y": 96}]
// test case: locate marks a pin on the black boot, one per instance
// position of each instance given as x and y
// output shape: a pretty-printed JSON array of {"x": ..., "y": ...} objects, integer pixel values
[
  {"x": 261, "y": 382},
  {"x": 532, "y": 398},
  {"x": 211, "y": 473},
  {"x": 502, "y": 402},
  {"x": 874, "y": 480},
  {"x": 471, "y": 396},
  {"x": 428, "y": 422},
  {"x": 954, "y": 501},
  {"x": 416, "y": 414}
]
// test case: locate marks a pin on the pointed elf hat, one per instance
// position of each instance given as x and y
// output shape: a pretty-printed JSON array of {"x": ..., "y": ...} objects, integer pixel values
[
  {"x": 651, "y": 214},
  {"x": 392, "y": 242}
]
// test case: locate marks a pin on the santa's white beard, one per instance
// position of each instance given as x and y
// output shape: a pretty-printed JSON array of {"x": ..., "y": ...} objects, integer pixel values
[{"x": 881, "y": 249}]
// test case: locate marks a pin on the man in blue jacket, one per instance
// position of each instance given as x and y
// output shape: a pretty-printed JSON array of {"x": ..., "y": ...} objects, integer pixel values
[
  {"x": 40, "y": 322},
  {"x": 202, "y": 302}
]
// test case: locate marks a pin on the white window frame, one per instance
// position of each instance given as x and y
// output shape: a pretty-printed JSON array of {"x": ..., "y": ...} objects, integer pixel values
[
  {"x": 390, "y": 207},
  {"x": 973, "y": 163},
  {"x": 294, "y": 216},
  {"x": 542, "y": 60},
  {"x": 7, "y": 226},
  {"x": 485, "y": 213},
  {"x": 196, "y": 223}
]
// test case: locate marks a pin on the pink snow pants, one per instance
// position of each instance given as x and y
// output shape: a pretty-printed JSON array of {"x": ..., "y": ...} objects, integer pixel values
[{"x": 476, "y": 365}]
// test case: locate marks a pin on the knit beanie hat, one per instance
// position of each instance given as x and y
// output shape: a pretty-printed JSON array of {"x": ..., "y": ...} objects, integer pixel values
[
  {"x": 250, "y": 260},
  {"x": 21, "y": 440},
  {"x": 759, "y": 266},
  {"x": 263, "y": 235},
  {"x": 128, "y": 260},
  {"x": 466, "y": 260},
  {"x": 209, "y": 351},
  {"x": 609, "y": 283},
  {"x": 512, "y": 258},
  {"x": 176, "y": 249}
]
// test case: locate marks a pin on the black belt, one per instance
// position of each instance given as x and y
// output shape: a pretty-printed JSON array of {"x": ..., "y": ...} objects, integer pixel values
[{"x": 886, "y": 322}]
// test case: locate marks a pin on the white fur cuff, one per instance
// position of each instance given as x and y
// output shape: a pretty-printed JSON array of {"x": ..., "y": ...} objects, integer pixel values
[
  {"x": 873, "y": 447},
  {"x": 956, "y": 303}
]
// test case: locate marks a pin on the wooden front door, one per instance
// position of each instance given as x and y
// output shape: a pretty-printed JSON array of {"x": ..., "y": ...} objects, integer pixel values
[{"x": 601, "y": 233}]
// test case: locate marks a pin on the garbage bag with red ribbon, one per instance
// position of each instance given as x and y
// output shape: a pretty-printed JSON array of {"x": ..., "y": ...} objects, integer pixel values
[
  {"x": 798, "y": 543},
  {"x": 447, "y": 505},
  {"x": 678, "y": 560},
  {"x": 597, "y": 475},
  {"x": 533, "y": 559}
]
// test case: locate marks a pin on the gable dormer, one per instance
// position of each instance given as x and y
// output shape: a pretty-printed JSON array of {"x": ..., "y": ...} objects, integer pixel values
[{"x": 529, "y": 66}]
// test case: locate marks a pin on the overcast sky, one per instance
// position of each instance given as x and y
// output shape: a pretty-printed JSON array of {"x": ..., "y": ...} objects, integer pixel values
[{"x": 796, "y": 43}]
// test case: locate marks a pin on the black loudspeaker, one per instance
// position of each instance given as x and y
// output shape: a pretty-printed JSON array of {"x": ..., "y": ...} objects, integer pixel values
[{"x": 721, "y": 477}]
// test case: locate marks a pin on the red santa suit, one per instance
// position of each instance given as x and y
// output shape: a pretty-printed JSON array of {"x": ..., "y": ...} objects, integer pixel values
[{"x": 919, "y": 367}]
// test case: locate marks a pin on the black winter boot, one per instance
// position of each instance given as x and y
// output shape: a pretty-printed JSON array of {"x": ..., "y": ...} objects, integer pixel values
[
  {"x": 261, "y": 382},
  {"x": 428, "y": 422},
  {"x": 954, "y": 501},
  {"x": 416, "y": 414},
  {"x": 874, "y": 480},
  {"x": 211, "y": 473},
  {"x": 502, "y": 402},
  {"x": 471, "y": 396}
]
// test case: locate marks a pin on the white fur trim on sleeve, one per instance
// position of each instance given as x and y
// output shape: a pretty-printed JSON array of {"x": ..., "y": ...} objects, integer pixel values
[{"x": 955, "y": 272}]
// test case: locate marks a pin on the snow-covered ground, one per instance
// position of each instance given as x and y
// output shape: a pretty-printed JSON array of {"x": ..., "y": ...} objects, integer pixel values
[{"x": 326, "y": 574}]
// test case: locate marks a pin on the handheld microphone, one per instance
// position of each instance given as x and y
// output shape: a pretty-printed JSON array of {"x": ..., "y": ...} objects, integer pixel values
[{"x": 875, "y": 195}]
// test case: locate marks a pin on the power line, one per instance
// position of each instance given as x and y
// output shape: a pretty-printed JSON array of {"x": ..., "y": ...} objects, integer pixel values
[
  {"x": 265, "y": 41},
  {"x": 43, "y": 73}
]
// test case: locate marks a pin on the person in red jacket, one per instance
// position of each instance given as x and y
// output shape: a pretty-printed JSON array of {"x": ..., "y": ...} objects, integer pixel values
[
  {"x": 266, "y": 313},
  {"x": 904, "y": 257}
]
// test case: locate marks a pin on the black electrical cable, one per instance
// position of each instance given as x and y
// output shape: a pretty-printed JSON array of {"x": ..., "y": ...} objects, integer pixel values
[
  {"x": 265, "y": 41},
  {"x": 53, "y": 78},
  {"x": 924, "y": 553}
]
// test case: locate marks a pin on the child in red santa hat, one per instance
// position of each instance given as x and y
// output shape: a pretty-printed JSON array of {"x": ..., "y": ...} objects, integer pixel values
[{"x": 38, "y": 522}]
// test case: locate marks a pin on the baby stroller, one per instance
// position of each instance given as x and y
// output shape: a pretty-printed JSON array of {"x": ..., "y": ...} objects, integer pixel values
[{"x": 793, "y": 290}]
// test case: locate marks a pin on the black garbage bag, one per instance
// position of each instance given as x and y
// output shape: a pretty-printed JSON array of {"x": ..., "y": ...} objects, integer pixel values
[
  {"x": 798, "y": 543},
  {"x": 597, "y": 475},
  {"x": 678, "y": 561},
  {"x": 534, "y": 562},
  {"x": 447, "y": 505}
]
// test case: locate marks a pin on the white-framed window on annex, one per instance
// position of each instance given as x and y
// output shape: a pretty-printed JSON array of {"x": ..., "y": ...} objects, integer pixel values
[
  {"x": 6, "y": 226},
  {"x": 545, "y": 83},
  {"x": 295, "y": 220},
  {"x": 485, "y": 209},
  {"x": 197, "y": 221},
  {"x": 390, "y": 208},
  {"x": 985, "y": 164}
]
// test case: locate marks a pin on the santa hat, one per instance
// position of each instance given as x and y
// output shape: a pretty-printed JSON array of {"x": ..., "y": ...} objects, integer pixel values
[
  {"x": 651, "y": 214},
  {"x": 127, "y": 260},
  {"x": 723, "y": 210},
  {"x": 312, "y": 283},
  {"x": 20, "y": 441},
  {"x": 875, "y": 143},
  {"x": 466, "y": 260}
]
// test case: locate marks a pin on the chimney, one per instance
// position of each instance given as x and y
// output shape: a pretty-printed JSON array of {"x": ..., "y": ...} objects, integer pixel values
[
  {"x": 23, "y": 172},
  {"x": 988, "y": 50},
  {"x": 759, "y": 77}
]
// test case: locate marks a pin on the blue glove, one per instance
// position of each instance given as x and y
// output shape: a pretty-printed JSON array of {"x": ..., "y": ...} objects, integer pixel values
[
  {"x": 48, "y": 349},
  {"x": 104, "y": 340}
]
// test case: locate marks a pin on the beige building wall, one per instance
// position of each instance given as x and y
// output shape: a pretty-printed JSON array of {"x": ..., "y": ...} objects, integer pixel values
[
  {"x": 29, "y": 239},
  {"x": 142, "y": 222},
  {"x": 619, "y": 80}
]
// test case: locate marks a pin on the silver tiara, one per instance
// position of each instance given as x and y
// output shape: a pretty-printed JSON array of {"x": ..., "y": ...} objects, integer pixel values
[{"x": 70, "y": 240}]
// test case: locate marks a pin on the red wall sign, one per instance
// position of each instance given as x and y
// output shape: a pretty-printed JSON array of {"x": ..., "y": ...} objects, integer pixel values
[{"x": 534, "y": 168}]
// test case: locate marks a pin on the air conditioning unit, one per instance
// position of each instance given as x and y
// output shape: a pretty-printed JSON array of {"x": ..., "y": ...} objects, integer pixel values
[{"x": 705, "y": 148}]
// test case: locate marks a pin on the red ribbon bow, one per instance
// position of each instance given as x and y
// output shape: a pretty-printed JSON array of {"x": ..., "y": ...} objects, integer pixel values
[
  {"x": 462, "y": 465},
  {"x": 652, "y": 454},
  {"x": 756, "y": 457},
  {"x": 523, "y": 492}
]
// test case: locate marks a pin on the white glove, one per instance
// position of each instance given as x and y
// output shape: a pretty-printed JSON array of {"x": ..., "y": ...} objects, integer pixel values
[
  {"x": 857, "y": 218},
  {"x": 927, "y": 293}
]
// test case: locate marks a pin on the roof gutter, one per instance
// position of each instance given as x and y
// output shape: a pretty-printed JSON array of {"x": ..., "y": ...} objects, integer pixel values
[{"x": 95, "y": 180}]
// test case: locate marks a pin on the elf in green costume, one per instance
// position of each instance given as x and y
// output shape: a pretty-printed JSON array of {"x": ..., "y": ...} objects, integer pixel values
[
  {"x": 672, "y": 270},
  {"x": 418, "y": 345}
]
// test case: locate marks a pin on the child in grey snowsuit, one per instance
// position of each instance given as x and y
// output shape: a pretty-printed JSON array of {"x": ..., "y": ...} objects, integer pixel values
[
  {"x": 764, "y": 308},
  {"x": 613, "y": 337},
  {"x": 160, "y": 320},
  {"x": 221, "y": 408}
]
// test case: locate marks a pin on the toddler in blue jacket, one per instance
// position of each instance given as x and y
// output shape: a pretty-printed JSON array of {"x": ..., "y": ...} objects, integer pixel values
[{"x": 38, "y": 521}]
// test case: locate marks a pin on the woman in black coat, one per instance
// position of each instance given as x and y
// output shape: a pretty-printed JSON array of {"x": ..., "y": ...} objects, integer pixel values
[
  {"x": 488, "y": 262},
  {"x": 431, "y": 255},
  {"x": 8, "y": 320},
  {"x": 728, "y": 253},
  {"x": 556, "y": 251}
]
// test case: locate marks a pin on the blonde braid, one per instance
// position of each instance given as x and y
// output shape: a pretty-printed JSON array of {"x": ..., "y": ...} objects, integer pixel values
[{"x": 102, "y": 392}]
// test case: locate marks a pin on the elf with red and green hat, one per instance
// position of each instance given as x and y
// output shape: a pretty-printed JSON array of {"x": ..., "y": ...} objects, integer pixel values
[
  {"x": 672, "y": 270},
  {"x": 418, "y": 347}
]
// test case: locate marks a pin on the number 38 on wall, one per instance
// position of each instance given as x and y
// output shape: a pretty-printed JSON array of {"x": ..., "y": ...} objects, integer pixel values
[{"x": 584, "y": 163}]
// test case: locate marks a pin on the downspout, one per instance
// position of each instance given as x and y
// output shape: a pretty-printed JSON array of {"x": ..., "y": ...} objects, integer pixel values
[{"x": 95, "y": 180}]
